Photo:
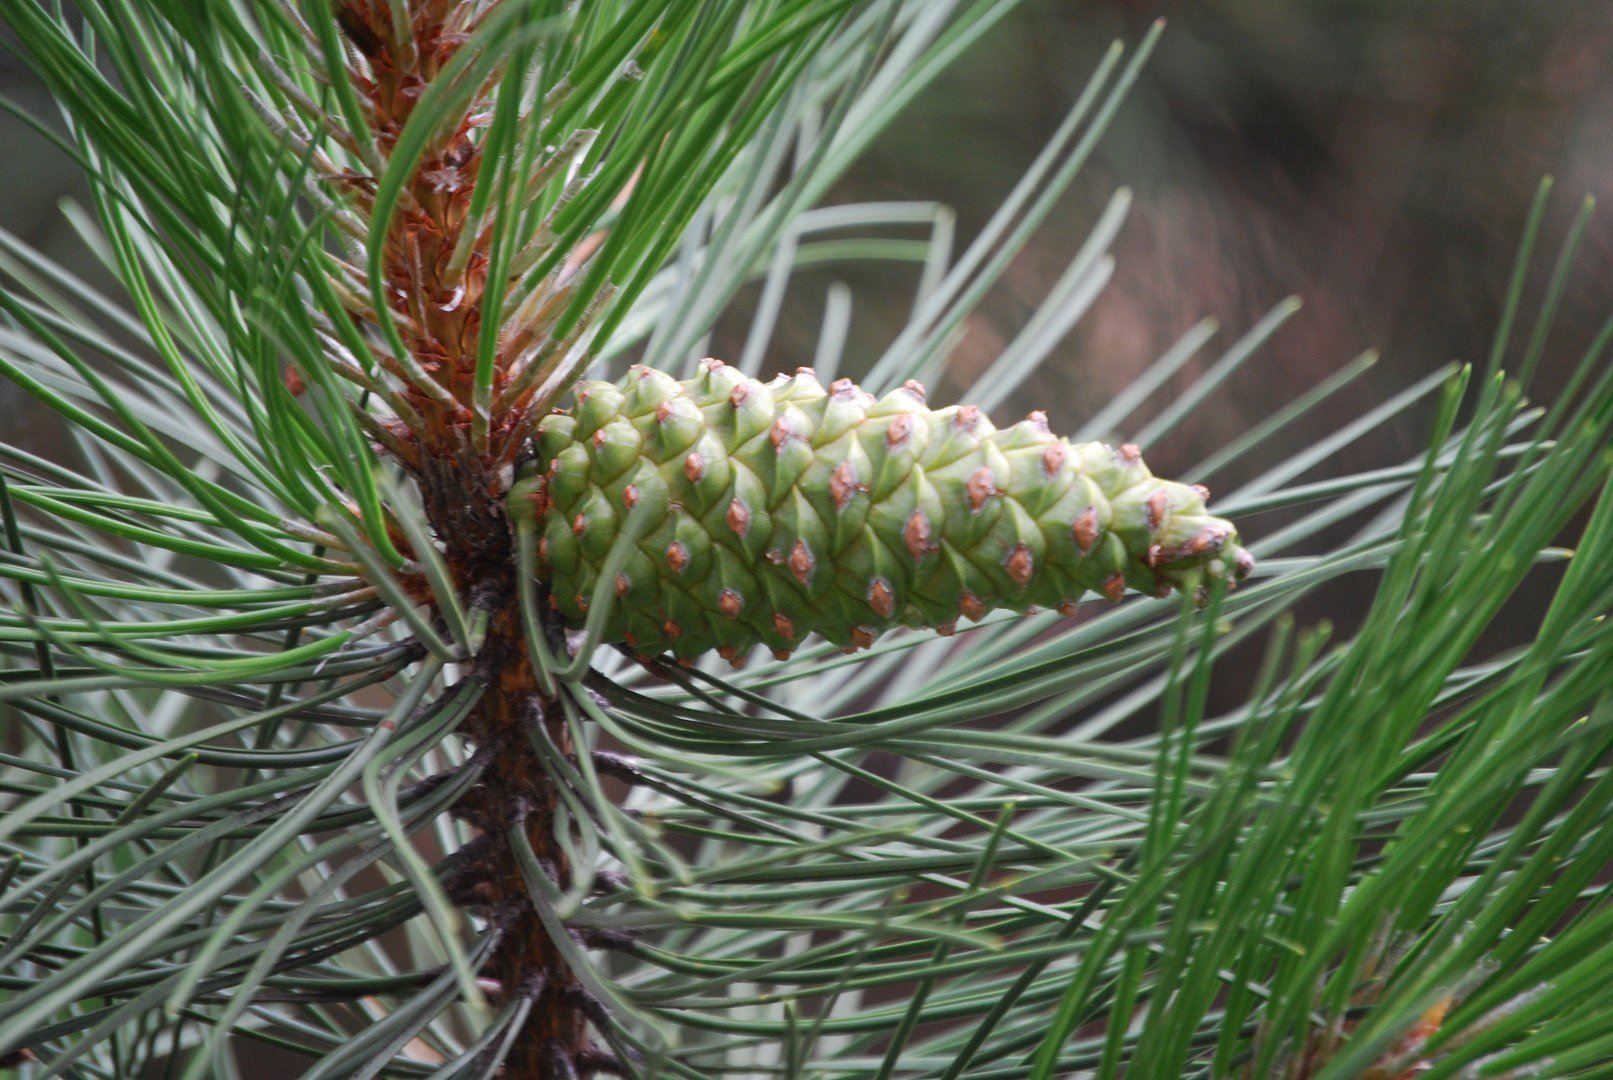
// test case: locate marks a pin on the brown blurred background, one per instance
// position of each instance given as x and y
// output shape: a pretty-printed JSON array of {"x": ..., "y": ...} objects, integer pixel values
[{"x": 1375, "y": 157}]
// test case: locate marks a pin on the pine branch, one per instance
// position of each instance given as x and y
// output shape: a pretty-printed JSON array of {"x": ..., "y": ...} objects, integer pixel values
[{"x": 330, "y": 731}]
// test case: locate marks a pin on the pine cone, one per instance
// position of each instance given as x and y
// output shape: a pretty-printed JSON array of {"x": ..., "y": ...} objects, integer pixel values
[{"x": 778, "y": 510}]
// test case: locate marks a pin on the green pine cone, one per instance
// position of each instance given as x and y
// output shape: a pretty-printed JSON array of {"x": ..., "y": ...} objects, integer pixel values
[{"x": 771, "y": 511}]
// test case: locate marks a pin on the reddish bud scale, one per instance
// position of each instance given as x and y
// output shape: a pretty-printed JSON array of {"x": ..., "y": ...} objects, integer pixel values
[{"x": 783, "y": 509}]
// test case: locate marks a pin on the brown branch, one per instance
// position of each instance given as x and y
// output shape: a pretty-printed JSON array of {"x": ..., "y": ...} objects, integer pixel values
[{"x": 437, "y": 300}]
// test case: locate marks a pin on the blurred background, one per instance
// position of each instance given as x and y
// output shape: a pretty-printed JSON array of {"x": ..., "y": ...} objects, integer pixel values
[{"x": 1374, "y": 157}]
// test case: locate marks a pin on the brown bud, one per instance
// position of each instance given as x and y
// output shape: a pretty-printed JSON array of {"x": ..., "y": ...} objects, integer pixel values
[
  {"x": 729, "y": 603},
  {"x": 672, "y": 630},
  {"x": 677, "y": 557},
  {"x": 948, "y": 628},
  {"x": 543, "y": 548},
  {"x": 841, "y": 389},
  {"x": 630, "y": 496},
  {"x": 802, "y": 562},
  {"x": 578, "y": 524},
  {"x": 1085, "y": 529},
  {"x": 916, "y": 534},
  {"x": 1053, "y": 458},
  {"x": 781, "y": 432},
  {"x": 783, "y": 626},
  {"x": 599, "y": 437},
  {"x": 900, "y": 430},
  {"x": 1202, "y": 492},
  {"x": 881, "y": 598},
  {"x": 1131, "y": 452},
  {"x": 1114, "y": 586},
  {"x": 916, "y": 388},
  {"x": 863, "y": 637},
  {"x": 663, "y": 411},
  {"x": 737, "y": 396},
  {"x": 806, "y": 372},
  {"x": 980, "y": 488},
  {"x": 966, "y": 417},
  {"x": 782, "y": 654},
  {"x": 694, "y": 466},
  {"x": 1021, "y": 565},
  {"x": 1037, "y": 419},
  {"x": 581, "y": 602},
  {"x": 622, "y": 584},
  {"x": 971, "y": 607},
  {"x": 1067, "y": 609},
  {"x": 1158, "y": 503},
  {"x": 843, "y": 484},
  {"x": 738, "y": 517}
]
